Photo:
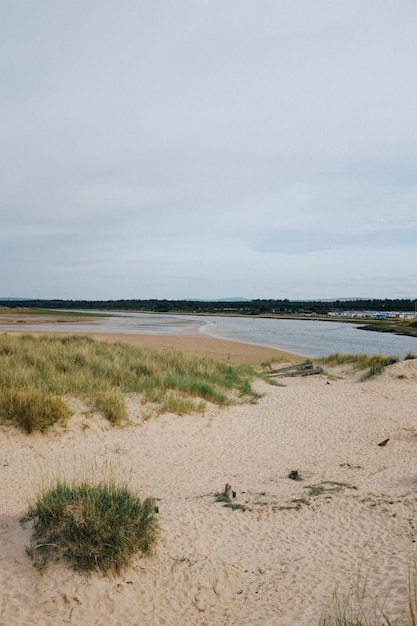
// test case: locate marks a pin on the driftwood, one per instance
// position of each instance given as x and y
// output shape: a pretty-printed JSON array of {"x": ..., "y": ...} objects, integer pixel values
[
  {"x": 302, "y": 369},
  {"x": 152, "y": 504},
  {"x": 228, "y": 492}
]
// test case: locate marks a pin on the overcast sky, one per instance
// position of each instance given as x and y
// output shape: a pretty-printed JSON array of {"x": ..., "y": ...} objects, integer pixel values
[{"x": 208, "y": 148}]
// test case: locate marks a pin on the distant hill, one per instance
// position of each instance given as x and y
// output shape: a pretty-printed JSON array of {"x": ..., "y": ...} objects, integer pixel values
[
  {"x": 238, "y": 299},
  {"x": 232, "y": 300},
  {"x": 340, "y": 299}
]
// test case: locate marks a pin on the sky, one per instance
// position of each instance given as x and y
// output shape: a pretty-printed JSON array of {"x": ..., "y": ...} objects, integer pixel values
[{"x": 204, "y": 149}]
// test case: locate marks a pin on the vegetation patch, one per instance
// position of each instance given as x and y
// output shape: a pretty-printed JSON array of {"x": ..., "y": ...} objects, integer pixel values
[
  {"x": 357, "y": 609},
  {"x": 296, "y": 504},
  {"x": 378, "y": 367},
  {"x": 300, "y": 501},
  {"x": 26, "y": 311},
  {"x": 228, "y": 502},
  {"x": 308, "y": 495},
  {"x": 383, "y": 499},
  {"x": 37, "y": 372},
  {"x": 398, "y": 327},
  {"x": 95, "y": 527},
  {"x": 328, "y": 487},
  {"x": 32, "y": 409},
  {"x": 374, "y": 363}
]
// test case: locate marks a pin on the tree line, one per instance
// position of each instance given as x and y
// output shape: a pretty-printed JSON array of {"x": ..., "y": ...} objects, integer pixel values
[{"x": 219, "y": 307}]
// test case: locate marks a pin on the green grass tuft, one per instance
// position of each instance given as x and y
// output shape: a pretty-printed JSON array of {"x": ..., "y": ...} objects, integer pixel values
[
  {"x": 95, "y": 527},
  {"x": 228, "y": 503}
]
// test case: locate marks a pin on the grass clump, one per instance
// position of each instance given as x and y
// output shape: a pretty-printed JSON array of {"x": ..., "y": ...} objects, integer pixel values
[
  {"x": 378, "y": 366},
  {"x": 32, "y": 409},
  {"x": 112, "y": 405},
  {"x": 328, "y": 487},
  {"x": 228, "y": 503},
  {"x": 46, "y": 369},
  {"x": 374, "y": 363},
  {"x": 181, "y": 405},
  {"x": 95, "y": 527}
]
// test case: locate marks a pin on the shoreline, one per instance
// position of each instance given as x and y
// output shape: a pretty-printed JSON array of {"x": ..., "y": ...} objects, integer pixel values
[{"x": 313, "y": 341}]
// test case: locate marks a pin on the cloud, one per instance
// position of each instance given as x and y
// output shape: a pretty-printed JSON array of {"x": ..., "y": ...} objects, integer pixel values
[
  {"x": 187, "y": 149},
  {"x": 301, "y": 242}
]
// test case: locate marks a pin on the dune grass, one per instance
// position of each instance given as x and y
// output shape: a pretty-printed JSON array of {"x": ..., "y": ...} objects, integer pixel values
[
  {"x": 374, "y": 364},
  {"x": 346, "y": 611},
  {"x": 361, "y": 608},
  {"x": 95, "y": 527},
  {"x": 38, "y": 372},
  {"x": 356, "y": 610},
  {"x": 32, "y": 409}
]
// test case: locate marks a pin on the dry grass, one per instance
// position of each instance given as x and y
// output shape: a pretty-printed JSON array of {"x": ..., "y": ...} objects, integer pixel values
[
  {"x": 374, "y": 364},
  {"x": 36, "y": 372},
  {"x": 356, "y": 609}
]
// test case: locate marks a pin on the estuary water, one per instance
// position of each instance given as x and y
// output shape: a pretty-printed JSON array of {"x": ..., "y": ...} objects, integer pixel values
[
  {"x": 309, "y": 337},
  {"x": 305, "y": 337}
]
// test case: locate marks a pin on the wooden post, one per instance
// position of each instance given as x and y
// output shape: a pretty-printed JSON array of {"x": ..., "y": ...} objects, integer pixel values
[{"x": 228, "y": 492}]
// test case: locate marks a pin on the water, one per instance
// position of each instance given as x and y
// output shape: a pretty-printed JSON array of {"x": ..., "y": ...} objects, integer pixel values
[
  {"x": 304, "y": 337},
  {"x": 309, "y": 337}
]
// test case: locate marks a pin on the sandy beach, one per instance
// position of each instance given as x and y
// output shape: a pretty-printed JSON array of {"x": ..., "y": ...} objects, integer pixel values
[
  {"x": 223, "y": 350},
  {"x": 276, "y": 563}
]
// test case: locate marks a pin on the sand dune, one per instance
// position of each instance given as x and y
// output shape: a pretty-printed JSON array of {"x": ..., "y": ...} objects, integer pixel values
[{"x": 276, "y": 563}]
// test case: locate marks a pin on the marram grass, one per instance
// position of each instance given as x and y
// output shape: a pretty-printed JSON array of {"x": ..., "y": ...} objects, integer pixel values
[
  {"x": 95, "y": 527},
  {"x": 38, "y": 372},
  {"x": 374, "y": 364},
  {"x": 32, "y": 409},
  {"x": 357, "y": 609}
]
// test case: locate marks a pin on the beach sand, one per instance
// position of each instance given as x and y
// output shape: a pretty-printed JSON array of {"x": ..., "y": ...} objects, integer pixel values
[
  {"x": 276, "y": 563},
  {"x": 211, "y": 347}
]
